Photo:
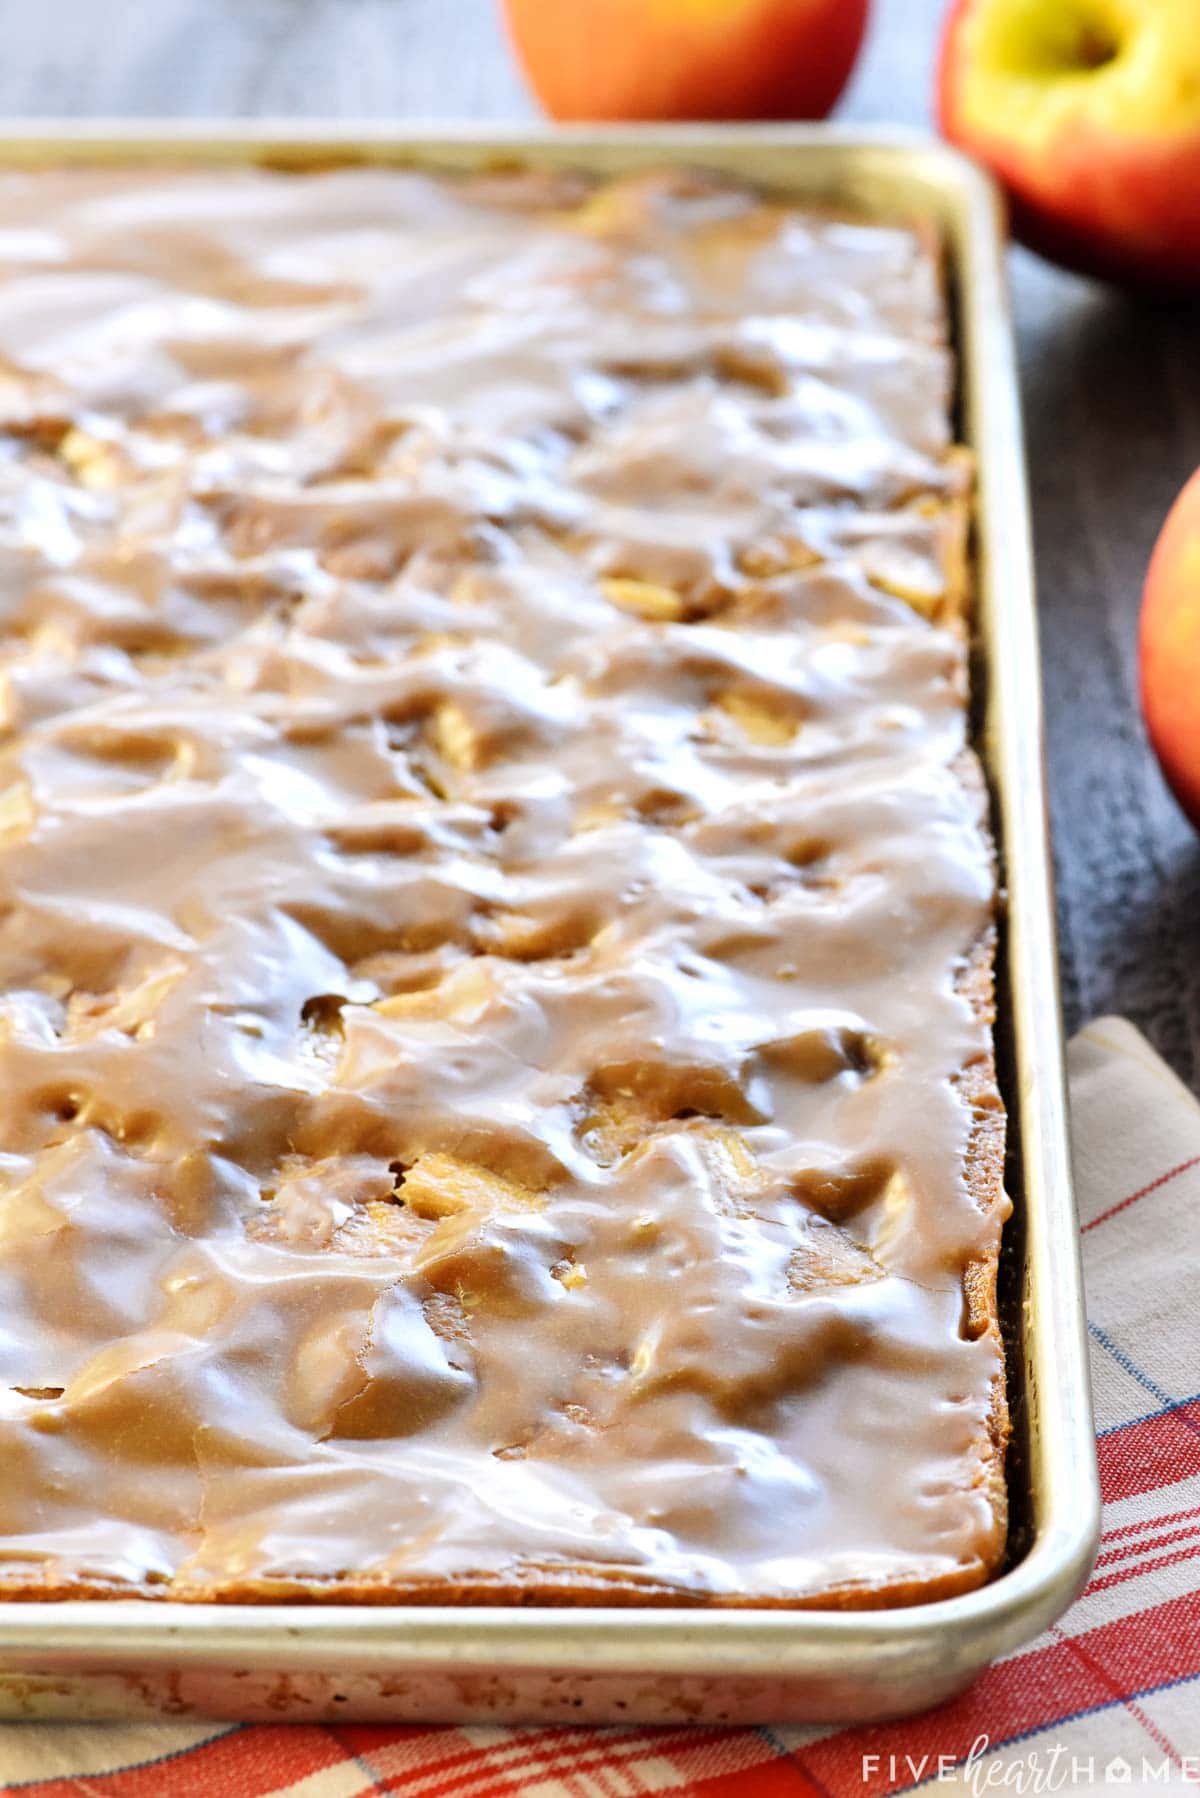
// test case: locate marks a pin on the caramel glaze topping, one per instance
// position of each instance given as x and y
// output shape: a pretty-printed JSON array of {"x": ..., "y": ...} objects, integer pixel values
[{"x": 490, "y": 872}]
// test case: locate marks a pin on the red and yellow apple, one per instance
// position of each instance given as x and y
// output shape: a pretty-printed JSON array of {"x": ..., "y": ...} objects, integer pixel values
[
  {"x": 1088, "y": 111},
  {"x": 1170, "y": 649},
  {"x": 687, "y": 59}
]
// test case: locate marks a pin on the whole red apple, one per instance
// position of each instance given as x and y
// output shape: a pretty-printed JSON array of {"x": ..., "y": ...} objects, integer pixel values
[
  {"x": 687, "y": 59},
  {"x": 1088, "y": 111},
  {"x": 1170, "y": 649}
]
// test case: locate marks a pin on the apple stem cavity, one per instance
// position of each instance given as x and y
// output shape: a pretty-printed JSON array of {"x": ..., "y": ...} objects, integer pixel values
[{"x": 1053, "y": 41}]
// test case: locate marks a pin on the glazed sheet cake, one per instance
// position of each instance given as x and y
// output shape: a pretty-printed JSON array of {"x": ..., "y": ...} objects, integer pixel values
[{"x": 496, "y": 1088}]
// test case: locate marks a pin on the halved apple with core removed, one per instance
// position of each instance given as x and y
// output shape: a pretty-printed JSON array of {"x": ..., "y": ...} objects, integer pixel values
[{"x": 1088, "y": 111}]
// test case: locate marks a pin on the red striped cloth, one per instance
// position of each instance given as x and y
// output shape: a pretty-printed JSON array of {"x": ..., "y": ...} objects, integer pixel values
[{"x": 1112, "y": 1693}]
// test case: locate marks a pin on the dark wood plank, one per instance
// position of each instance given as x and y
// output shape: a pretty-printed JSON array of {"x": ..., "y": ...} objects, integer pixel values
[
  {"x": 188, "y": 58},
  {"x": 1112, "y": 401},
  {"x": 1112, "y": 393}
]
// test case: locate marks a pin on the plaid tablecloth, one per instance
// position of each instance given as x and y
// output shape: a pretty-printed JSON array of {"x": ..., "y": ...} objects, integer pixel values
[{"x": 1110, "y": 1696}]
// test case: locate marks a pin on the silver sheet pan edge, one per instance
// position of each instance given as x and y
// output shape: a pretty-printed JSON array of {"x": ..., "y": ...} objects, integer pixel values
[{"x": 139, "y": 1657}]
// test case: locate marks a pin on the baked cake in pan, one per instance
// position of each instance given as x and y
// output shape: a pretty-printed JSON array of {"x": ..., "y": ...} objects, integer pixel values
[{"x": 496, "y": 1087}]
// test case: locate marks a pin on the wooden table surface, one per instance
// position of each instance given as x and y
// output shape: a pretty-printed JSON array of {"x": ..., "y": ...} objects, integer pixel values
[{"x": 1112, "y": 395}]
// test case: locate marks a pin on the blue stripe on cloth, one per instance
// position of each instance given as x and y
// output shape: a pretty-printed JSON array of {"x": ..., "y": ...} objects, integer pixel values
[
  {"x": 796, "y": 1756},
  {"x": 1134, "y": 1371},
  {"x": 1088, "y": 1710},
  {"x": 1176, "y": 1404},
  {"x": 153, "y": 1760}
]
